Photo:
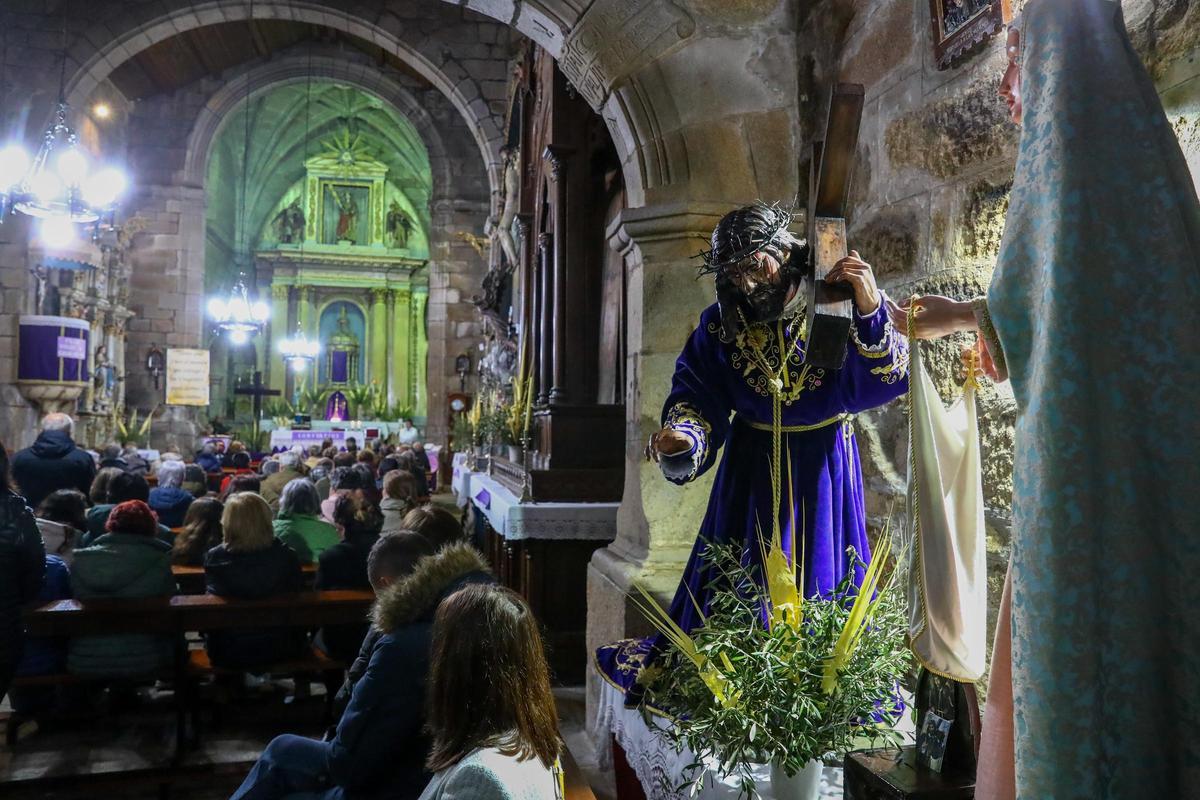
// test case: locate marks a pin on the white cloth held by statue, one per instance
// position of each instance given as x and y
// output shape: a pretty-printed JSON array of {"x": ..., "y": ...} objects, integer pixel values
[{"x": 948, "y": 579}]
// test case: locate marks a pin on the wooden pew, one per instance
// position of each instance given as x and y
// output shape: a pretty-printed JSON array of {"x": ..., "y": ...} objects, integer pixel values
[
  {"x": 197, "y": 612},
  {"x": 186, "y": 613},
  {"x": 191, "y": 579}
]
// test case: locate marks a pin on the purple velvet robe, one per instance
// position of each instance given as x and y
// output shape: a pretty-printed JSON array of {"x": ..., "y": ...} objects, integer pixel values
[{"x": 721, "y": 396}]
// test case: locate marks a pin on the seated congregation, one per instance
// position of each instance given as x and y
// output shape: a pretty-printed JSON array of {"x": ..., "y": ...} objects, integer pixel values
[{"x": 410, "y": 719}]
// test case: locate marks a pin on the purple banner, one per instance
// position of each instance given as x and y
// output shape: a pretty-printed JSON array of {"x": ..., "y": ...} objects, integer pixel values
[
  {"x": 52, "y": 349},
  {"x": 339, "y": 366},
  {"x": 318, "y": 436}
]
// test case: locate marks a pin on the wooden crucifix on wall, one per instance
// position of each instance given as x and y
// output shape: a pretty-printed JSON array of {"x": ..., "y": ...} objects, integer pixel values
[{"x": 830, "y": 307}]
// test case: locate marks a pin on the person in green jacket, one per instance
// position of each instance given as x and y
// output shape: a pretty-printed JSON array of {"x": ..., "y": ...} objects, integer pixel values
[
  {"x": 298, "y": 524},
  {"x": 128, "y": 561}
]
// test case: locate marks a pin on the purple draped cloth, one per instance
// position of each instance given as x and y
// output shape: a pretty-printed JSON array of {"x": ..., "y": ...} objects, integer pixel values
[
  {"x": 721, "y": 396},
  {"x": 336, "y": 408}
]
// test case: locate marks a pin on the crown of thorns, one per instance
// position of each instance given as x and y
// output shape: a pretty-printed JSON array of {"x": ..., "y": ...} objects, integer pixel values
[{"x": 742, "y": 233}]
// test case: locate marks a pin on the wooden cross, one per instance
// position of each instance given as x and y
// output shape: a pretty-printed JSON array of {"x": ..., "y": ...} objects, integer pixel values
[
  {"x": 258, "y": 392},
  {"x": 830, "y": 308}
]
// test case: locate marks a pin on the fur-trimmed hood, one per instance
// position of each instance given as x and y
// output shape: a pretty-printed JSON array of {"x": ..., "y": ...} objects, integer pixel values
[{"x": 416, "y": 596}]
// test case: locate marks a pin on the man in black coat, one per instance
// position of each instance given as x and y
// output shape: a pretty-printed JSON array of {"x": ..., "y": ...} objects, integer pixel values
[
  {"x": 22, "y": 565},
  {"x": 53, "y": 462}
]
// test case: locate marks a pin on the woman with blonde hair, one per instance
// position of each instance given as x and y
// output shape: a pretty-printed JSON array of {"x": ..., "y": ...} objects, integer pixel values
[{"x": 251, "y": 564}]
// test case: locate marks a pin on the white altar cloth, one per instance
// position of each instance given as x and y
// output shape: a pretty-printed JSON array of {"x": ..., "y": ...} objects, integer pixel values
[
  {"x": 460, "y": 480},
  {"x": 659, "y": 768},
  {"x": 515, "y": 520}
]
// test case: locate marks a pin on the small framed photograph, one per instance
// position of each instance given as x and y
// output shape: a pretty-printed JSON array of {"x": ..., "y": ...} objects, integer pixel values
[
  {"x": 931, "y": 741},
  {"x": 959, "y": 26}
]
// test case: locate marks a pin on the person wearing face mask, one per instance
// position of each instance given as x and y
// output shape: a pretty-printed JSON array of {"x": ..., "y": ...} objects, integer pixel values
[
  {"x": 1091, "y": 317},
  {"x": 742, "y": 362}
]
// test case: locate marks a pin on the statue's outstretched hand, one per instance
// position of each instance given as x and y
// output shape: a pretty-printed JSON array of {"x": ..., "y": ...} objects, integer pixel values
[
  {"x": 936, "y": 316},
  {"x": 667, "y": 442}
]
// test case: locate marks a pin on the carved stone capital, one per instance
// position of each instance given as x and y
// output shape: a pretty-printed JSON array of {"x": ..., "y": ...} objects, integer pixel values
[
  {"x": 379, "y": 294},
  {"x": 555, "y": 159},
  {"x": 304, "y": 293},
  {"x": 279, "y": 291}
]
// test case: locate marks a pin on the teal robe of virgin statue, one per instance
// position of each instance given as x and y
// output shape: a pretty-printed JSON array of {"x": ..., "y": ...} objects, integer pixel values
[{"x": 1096, "y": 300}]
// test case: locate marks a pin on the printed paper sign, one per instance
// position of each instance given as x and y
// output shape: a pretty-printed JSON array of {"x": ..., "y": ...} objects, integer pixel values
[
  {"x": 72, "y": 347},
  {"x": 187, "y": 377}
]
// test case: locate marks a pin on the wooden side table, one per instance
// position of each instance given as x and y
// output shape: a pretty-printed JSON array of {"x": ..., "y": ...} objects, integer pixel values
[{"x": 891, "y": 774}]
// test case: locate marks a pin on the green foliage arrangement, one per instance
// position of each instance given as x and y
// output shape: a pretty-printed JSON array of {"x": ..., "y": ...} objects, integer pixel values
[
  {"x": 129, "y": 429},
  {"x": 361, "y": 397},
  {"x": 462, "y": 433},
  {"x": 753, "y": 685},
  {"x": 311, "y": 399},
  {"x": 279, "y": 409},
  {"x": 254, "y": 437}
]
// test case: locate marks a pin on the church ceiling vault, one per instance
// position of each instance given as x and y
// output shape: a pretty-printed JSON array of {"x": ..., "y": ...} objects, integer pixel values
[{"x": 287, "y": 124}]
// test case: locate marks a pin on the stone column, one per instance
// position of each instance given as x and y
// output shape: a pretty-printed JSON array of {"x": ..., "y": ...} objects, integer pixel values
[
  {"x": 420, "y": 354},
  {"x": 403, "y": 345},
  {"x": 277, "y": 330},
  {"x": 555, "y": 158},
  {"x": 545, "y": 305},
  {"x": 378, "y": 365},
  {"x": 389, "y": 380},
  {"x": 657, "y": 521},
  {"x": 305, "y": 312}
]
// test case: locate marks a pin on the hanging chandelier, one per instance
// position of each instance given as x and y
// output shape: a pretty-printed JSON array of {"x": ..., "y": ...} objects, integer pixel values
[
  {"x": 58, "y": 186},
  {"x": 298, "y": 351},
  {"x": 238, "y": 315}
]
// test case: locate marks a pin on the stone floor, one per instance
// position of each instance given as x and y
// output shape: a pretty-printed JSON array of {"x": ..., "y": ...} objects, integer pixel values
[{"x": 122, "y": 753}]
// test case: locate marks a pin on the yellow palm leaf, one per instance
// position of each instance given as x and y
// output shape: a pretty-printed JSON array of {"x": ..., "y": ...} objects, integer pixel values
[
  {"x": 860, "y": 614},
  {"x": 711, "y": 675}
]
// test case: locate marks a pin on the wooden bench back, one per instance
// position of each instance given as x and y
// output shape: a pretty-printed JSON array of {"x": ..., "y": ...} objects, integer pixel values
[{"x": 196, "y": 612}]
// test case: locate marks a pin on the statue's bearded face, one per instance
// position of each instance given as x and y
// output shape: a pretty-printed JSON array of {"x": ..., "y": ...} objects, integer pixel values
[{"x": 763, "y": 282}]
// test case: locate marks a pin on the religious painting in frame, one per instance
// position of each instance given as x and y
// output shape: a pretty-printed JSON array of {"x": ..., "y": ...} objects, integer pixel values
[
  {"x": 345, "y": 212},
  {"x": 959, "y": 26}
]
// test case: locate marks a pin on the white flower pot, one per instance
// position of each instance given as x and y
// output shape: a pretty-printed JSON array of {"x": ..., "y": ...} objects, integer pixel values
[{"x": 804, "y": 785}]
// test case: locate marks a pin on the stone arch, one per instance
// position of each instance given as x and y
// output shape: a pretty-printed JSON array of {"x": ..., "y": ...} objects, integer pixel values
[
  {"x": 453, "y": 81},
  {"x": 296, "y": 69},
  {"x": 653, "y": 154}
]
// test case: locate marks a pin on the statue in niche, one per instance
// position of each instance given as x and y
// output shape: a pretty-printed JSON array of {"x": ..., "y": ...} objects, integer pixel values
[
  {"x": 288, "y": 224},
  {"x": 45, "y": 294},
  {"x": 501, "y": 228},
  {"x": 347, "y": 218},
  {"x": 104, "y": 379},
  {"x": 399, "y": 226}
]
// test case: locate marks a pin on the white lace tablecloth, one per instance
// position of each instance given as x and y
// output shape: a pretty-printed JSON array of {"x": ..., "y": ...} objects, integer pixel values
[
  {"x": 660, "y": 769},
  {"x": 460, "y": 480},
  {"x": 515, "y": 520}
]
